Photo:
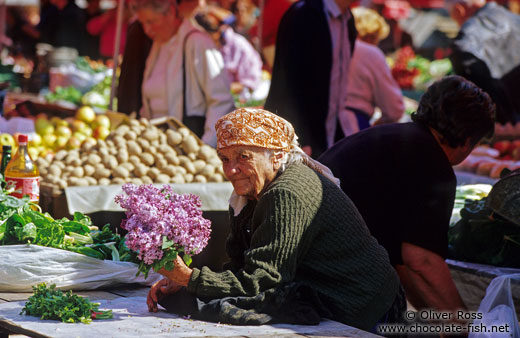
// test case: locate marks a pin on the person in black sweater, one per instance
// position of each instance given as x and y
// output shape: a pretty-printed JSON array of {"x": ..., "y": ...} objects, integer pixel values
[{"x": 400, "y": 178}]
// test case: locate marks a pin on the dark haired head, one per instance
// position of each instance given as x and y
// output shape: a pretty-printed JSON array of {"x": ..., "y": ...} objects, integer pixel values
[{"x": 458, "y": 110}]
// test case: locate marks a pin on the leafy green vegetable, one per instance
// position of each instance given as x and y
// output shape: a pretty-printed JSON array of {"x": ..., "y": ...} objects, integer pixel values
[
  {"x": 69, "y": 93},
  {"x": 20, "y": 224},
  {"x": 51, "y": 303},
  {"x": 99, "y": 95},
  {"x": 125, "y": 254},
  {"x": 9, "y": 205}
]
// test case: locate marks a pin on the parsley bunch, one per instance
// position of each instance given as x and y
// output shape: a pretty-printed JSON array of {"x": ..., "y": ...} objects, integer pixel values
[{"x": 52, "y": 303}]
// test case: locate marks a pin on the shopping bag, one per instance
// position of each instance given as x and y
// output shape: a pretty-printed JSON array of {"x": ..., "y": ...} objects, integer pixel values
[
  {"x": 25, "y": 265},
  {"x": 498, "y": 309}
]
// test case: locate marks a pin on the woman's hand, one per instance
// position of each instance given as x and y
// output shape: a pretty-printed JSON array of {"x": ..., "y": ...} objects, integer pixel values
[
  {"x": 180, "y": 275},
  {"x": 158, "y": 291}
]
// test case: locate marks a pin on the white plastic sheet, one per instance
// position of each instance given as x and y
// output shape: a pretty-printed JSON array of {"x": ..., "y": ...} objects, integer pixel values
[
  {"x": 22, "y": 266},
  {"x": 498, "y": 309}
]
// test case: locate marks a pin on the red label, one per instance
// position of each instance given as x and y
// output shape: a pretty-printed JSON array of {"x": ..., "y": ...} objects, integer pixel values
[{"x": 24, "y": 186}]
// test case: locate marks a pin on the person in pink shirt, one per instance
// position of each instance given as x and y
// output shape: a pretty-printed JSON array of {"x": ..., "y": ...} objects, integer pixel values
[
  {"x": 105, "y": 25},
  {"x": 370, "y": 82},
  {"x": 242, "y": 62}
]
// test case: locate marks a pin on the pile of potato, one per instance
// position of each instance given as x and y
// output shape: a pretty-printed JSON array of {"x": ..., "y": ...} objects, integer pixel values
[{"x": 138, "y": 153}]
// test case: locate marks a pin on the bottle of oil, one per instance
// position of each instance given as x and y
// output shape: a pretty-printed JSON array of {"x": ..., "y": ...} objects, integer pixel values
[{"x": 21, "y": 173}]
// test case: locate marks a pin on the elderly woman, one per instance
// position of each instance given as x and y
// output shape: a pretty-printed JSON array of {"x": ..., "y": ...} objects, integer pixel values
[
  {"x": 298, "y": 248},
  {"x": 184, "y": 75},
  {"x": 372, "y": 84}
]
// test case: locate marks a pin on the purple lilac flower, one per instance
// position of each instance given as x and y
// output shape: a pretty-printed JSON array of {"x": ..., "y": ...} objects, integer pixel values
[{"x": 153, "y": 213}]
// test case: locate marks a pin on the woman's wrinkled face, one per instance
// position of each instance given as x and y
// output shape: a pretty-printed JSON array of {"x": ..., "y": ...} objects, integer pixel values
[
  {"x": 157, "y": 26},
  {"x": 250, "y": 169}
]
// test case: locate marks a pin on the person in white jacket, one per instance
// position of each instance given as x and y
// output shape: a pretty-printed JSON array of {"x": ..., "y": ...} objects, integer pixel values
[
  {"x": 184, "y": 75},
  {"x": 370, "y": 81}
]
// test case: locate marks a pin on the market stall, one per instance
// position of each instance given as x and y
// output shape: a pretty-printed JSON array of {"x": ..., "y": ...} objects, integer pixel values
[{"x": 85, "y": 155}]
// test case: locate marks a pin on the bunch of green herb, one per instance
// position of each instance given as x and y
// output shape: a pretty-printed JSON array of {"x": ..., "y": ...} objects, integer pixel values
[{"x": 51, "y": 303}]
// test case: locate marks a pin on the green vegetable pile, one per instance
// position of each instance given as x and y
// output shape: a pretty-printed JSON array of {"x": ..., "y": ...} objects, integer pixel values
[
  {"x": 429, "y": 71},
  {"x": 99, "y": 95},
  {"x": 83, "y": 64},
  {"x": 482, "y": 236},
  {"x": 69, "y": 94},
  {"x": 51, "y": 303},
  {"x": 20, "y": 223}
]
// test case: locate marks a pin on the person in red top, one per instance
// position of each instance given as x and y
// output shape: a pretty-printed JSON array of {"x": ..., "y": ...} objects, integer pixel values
[
  {"x": 271, "y": 16},
  {"x": 105, "y": 25}
]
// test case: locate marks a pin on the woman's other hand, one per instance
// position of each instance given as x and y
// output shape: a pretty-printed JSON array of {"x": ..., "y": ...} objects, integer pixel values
[{"x": 160, "y": 290}]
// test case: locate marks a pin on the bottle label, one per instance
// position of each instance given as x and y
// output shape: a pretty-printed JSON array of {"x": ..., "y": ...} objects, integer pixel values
[{"x": 24, "y": 186}]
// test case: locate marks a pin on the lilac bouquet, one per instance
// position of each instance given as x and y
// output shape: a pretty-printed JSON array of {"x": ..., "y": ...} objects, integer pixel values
[{"x": 162, "y": 224}]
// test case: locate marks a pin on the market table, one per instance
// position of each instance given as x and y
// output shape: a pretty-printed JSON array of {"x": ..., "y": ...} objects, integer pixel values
[{"x": 132, "y": 319}]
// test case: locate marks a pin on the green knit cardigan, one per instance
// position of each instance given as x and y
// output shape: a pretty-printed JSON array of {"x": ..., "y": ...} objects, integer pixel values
[{"x": 305, "y": 229}]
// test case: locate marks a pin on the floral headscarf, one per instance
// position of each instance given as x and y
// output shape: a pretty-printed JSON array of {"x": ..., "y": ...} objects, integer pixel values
[
  {"x": 261, "y": 128},
  {"x": 254, "y": 127}
]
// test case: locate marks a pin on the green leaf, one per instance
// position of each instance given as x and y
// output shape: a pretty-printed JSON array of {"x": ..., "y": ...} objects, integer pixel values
[
  {"x": 35, "y": 217},
  {"x": 28, "y": 232},
  {"x": 171, "y": 255},
  {"x": 14, "y": 225},
  {"x": 114, "y": 252},
  {"x": 13, "y": 202},
  {"x": 83, "y": 219},
  {"x": 73, "y": 226},
  {"x": 166, "y": 243},
  {"x": 2, "y": 232},
  {"x": 85, "y": 250},
  {"x": 169, "y": 266},
  {"x": 187, "y": 259},
  {"x": 81, "y": 239}
]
